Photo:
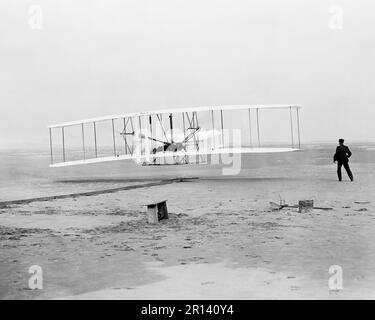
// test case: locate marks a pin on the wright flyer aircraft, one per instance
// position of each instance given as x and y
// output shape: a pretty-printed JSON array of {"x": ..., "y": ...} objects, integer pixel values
[{"x": 176, "y": 136}]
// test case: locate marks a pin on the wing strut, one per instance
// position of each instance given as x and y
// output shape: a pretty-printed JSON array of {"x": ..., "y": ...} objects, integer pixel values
[
  {"x": 83, "y": 141},
  {"x": 63, "y": 142},
  {"x": 222, "y": 128},
  {"x": 140, "y": 130},
  {"x": 251, "y": 142},
  {"x": 213, "y": 129},
  {"x": 95, "y": 141},
  {"x": 291, "y": 125},
  {"x": 50, "y": 144},
  {"x": 113, "y": 137},
  {"x": 258, "y": 126},
  {"x": 299, "y": 139},
  {"x": 124, "y": 133},
  {"x": 171, "y": 126}
]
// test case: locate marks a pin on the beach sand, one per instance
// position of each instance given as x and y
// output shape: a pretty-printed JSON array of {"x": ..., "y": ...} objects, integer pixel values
[{"x": 222, "y": 239}]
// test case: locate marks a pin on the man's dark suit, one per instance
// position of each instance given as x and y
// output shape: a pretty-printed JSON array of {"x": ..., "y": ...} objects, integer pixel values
[{"x": 342, "y": 156}]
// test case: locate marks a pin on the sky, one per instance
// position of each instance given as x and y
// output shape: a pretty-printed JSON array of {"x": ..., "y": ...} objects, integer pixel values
[{"x": 63, "y": 60}]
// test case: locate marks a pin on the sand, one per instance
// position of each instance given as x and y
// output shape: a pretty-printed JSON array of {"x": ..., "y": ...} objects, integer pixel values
[{"x": 222, "y": 240}]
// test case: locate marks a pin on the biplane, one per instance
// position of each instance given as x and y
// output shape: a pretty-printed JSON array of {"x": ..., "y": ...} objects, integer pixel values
[{"x": 174, "y": 136}]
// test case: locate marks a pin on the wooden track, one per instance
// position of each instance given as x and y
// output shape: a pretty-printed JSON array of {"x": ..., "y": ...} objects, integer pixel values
[{"x": 5, "y": 204}]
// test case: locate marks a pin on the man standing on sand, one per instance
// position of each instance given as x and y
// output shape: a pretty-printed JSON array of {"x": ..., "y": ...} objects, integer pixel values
[{"x": 342, "y": 156}]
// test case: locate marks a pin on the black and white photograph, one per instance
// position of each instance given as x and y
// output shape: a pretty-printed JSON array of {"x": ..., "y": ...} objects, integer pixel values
[{"x": 185, "y": 150}]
